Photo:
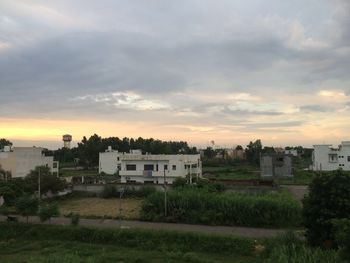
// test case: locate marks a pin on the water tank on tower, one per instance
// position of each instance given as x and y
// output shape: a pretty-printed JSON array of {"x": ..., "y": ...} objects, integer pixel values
[{"x": 66, "y": 140}]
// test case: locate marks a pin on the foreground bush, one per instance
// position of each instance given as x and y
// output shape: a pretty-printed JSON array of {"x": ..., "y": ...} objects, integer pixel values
[
  {"x": 291, "y": 247},
  {"x": 342, "y": 230},
  {"x": 203, "y": 207},
  {"x": 328, "y": 199},
  {"x": 137, "y": 239}
]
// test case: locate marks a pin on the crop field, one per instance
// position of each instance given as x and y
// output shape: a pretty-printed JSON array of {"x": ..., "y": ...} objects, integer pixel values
[
  {"x": 99, "y": 207},
  {"x": 231, "y": 172},
  {"x": 204, "y": 207}
]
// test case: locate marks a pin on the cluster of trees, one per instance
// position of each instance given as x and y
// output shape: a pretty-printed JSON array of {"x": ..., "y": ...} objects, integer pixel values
[
  {"x": 252, "y": 152},
  {"x": 88, "y": 149}
]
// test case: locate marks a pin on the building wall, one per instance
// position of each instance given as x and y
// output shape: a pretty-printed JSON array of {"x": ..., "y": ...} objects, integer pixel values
[
  {"x": 22, "y": 160},
  {"x": 272, "y": 166},
  {"x": 326, "y": 158},
  {"x": 109, "y": 162}
]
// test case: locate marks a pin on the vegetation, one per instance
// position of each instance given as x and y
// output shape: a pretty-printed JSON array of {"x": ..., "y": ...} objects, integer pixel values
[
  {"x": 138, "y": 239},
  {"x": 342, "y": 230},
  {"x": 47, "y": 211},
  {"x": 75, "y": 219},
  {"x": 204, "y": 207},
  {"x": 4, "y": 142},
  {"x": 27, "y": 205},
  {"x": 328, "y": 199}
]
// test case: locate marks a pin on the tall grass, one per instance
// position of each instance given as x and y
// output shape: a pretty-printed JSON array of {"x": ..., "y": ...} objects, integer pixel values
[
  {"x": 133, "y": 238},
  {"x": 203, "y": 207}
]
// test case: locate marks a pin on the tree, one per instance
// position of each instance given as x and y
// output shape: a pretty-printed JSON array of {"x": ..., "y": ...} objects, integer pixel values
[
  {"x": 253, "y": 152},
  {"x": 209, "y": 152},
  {"x": 48, "y": 182},
  {"x": 27, "y": 205},
  {"x": 4, "y": 142},
  {"x": 239, "y": 147},
  {"x": 48, "y": 211},
  {"x": 328, "y": 199}
]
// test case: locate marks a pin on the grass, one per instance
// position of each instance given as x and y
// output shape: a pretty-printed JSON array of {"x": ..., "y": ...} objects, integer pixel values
[
  {"x": 39, "y": 243},
  {"x": 99, "y": 207},
  {"x": 231, "y": 172}
]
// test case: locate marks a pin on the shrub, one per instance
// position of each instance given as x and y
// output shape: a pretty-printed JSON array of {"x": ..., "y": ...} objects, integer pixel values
[
  {"x": 342, "y": 230},
  {"x": 75, "y": 219},
  {"x": 179, "y": 182},
  {"x": 109, "y": 191},
  {"x": 48, "y": 211},
  {"x": 328, "y": 199},
  {"x": 204, "y": 207},
  {"x": 27, "y": 206}
]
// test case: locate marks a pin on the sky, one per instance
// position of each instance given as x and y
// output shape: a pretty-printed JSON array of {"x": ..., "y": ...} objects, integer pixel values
[{"x": 228, "y": 71}]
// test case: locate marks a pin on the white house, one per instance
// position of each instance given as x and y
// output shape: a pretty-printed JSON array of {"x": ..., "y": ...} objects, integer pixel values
[
  {"x": 326, "y": 158},
  {"x": 20, "y": 160},
  {"x": 150, "y": 168}
]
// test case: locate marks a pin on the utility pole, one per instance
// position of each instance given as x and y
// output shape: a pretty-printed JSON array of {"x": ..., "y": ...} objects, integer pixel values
[
  {"x": 39, "y": 187},
  {"x": 165, "y": 200},
  {"x": 120, "y": 206}
]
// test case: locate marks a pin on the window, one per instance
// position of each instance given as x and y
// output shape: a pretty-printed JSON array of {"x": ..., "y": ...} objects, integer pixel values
[
  {"x": 131, "y": 167},
  {"x": 118, "y": 158},
  {"x": 174, "y": 167},
  {"x": 148, "y": 167},
  {"x": 119, "y": 167},
  {"x": 165, "y": 167},
  {"x": 54, "y": 165},
  {"x": 348, "y": 158}
]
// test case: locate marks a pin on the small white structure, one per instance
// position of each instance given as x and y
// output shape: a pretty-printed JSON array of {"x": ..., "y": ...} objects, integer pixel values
[
  {"x": 326, "y": 158},
  {"x": 136, "y": 167},
  {"x": 21, "y": 160}
]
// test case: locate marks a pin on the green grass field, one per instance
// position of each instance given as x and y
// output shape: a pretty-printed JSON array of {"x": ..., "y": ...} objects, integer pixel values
[
  {"x": 231, "y": 172},
  {"x": 58, "y": 244},
  {"x": 52, "y": 251}
]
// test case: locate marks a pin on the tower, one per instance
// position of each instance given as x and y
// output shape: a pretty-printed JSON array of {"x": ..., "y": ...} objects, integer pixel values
[{"x": 66, "y": 140}]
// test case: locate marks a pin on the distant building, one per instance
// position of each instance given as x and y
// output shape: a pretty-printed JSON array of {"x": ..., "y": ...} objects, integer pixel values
[
  {"x": 326, "y": 158},
  {"x": 276, "y": 165},
  {"x": 292, "y": 152},
  {"x": 21, "y": 160},
  {"x": 149, "y": 168}
]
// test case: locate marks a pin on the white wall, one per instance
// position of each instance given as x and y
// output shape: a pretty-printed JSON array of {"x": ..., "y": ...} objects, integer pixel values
[
  {"x": 24, "y": 159},
  {"x": 321, "y": 157}
]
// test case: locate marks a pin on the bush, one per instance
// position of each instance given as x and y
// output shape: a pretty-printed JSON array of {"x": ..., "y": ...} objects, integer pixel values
[
  {"x": 48, "y": 211},
  {"x": 328, "y": 199},
  {"x": 342, "y": 230},
  {"x": 75, "y": 219},
  {"x": 27, "y": 205},
  {"x": 109, "y": 191},
  {"x": 204, "y": 207},
  {"x": 179, "y": 182}
]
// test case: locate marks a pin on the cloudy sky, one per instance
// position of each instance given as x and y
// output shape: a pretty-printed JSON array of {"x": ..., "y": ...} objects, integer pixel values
[{"x": 197, "y": 70}]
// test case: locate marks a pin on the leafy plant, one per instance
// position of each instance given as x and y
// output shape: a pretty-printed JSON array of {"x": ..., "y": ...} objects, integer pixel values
[
  {"x": 27, "y": 205},
  {"x": 328, "y": 199},
  {"x": 48, "y": 211}
]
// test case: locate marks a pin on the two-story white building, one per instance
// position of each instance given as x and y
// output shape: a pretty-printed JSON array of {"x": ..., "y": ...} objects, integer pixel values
[
  {"x": 21, "y": 160},
  {"x": 326, "y": 158},
  {"x": 150, "y": 168}
]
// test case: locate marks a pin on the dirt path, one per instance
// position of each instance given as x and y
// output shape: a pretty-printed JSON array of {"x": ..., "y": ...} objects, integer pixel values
[{"x": 110, "y": 223}]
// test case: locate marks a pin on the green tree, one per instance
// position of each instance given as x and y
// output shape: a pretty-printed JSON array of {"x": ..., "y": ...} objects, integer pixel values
[
  {"x": 328, "y": 199},
  {"x": 27, "y": 205},
  {"x": 48, "y": 211},
  {"x": 48, "y": 182},
  {"x": 4, "y": 142},
  {"x": 253, "y": 152}
]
